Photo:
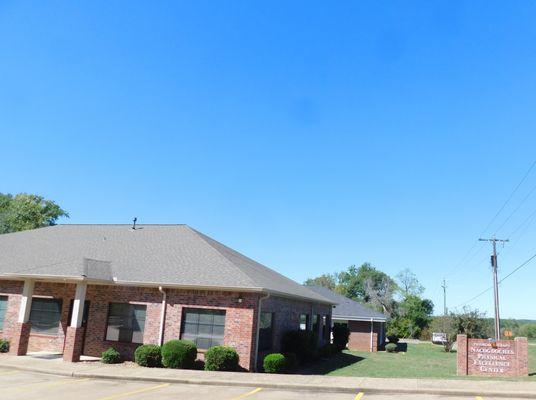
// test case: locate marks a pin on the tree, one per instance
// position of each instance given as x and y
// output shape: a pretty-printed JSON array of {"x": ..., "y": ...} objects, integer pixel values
[
  {"x": 413, "y": 315},
  {"x": 409, "y": 284},
  {"x": 364, "y": 283},
  {"x": 380, "y": 293},
  {"x": 473, "y": 323},
  {"x": 326, "y": 280},
  {"x": 27, "y": 211},
  {"x": 469, "y": 322},
  {"x": 528, "y": 330}
]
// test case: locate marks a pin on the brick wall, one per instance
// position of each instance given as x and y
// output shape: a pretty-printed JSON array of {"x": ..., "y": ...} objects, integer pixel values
[
  {"x": 240, "y": 319},
  {"x": 482, "y": 357},
  {"x": 359, "y": 339},
  {"x": 287, "y": 318}
]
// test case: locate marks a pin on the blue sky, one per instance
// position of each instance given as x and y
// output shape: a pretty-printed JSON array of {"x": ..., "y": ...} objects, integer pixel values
[{"x": 308, "y": 135}]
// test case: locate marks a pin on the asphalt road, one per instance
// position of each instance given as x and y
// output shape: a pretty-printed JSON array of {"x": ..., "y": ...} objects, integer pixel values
[{"x": 18, "y": 385}]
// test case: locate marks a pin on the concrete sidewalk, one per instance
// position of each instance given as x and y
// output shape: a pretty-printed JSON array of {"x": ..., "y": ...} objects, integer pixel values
[{"x": 316, "y": 383}]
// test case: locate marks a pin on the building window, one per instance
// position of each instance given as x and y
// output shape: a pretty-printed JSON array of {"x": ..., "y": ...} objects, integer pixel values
[
  {"x": 304, "y": 322},
  {"x": 204, "y": 327},
  {"x": 266, "y": 331},
  {"x": 45, "y": 316},
  {"x": 316, "y": 323},
  {"x": 3, "y": 308},
  {"x": 126, "y": 322}
]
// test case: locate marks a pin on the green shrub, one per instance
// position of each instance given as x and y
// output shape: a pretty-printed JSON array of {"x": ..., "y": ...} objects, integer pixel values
[
  {"x": 179, "y": 354},
  {"x": 275, "y": 363},
  {"x": 291, "y": 361},
  {"x": 302, "y": 343},
  {"x": 111, "y": 356},
  {"x": 393, "y": 339},
  {"x": 148, "y": 355},
  {"x": 4, "y": 345},
  {"x": 221, "y": 358},
  {"x": 341, "y": 333},
  {"x": 391, "y": 347}
]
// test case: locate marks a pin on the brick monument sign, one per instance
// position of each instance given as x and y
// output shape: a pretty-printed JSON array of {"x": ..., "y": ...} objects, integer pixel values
[{"x": 500, "y": 358}]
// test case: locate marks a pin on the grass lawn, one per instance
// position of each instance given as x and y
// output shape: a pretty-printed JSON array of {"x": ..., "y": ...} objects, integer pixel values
[{"x": 420, "y": 361}]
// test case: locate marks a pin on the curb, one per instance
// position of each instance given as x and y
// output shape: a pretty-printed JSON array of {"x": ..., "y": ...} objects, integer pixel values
[{"x": 281, "y": 386}]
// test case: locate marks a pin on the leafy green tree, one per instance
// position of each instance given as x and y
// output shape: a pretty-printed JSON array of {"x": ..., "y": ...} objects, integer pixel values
[
  {"x": 413, "y": 315},
  {"x": 326, "y": 280},
  {"x": 360, "y": 283},
  {"x": 27, "y": 211}
]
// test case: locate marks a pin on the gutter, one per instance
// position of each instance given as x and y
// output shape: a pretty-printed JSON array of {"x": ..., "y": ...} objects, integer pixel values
[
  {"x": 162, "y": 316},
  {"x": 258, "y": 330}
]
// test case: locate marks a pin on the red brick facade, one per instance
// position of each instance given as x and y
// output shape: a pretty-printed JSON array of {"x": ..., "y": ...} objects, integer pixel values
[
  {"x": 240, "y": 320},
  {"x": 359, "y": 339},
  {"x": 482, "y": 357}
]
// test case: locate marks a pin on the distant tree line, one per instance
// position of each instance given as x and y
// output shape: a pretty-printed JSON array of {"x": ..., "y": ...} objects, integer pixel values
[
  {"x": 400, "y": 298},
  {"x": 410, "y": 315}
]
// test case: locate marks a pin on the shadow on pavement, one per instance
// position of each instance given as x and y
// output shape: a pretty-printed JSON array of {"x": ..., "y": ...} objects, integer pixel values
[{"x": 325, "y": 366}]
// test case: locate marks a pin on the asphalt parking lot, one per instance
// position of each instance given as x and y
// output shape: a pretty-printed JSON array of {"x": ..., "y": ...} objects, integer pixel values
[{"x": 19, "y": 385}]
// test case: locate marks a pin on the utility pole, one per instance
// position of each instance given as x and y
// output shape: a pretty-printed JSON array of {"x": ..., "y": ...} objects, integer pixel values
[
  {"x": 494, "y": 241},
  {"x": 444, "y": 286}
]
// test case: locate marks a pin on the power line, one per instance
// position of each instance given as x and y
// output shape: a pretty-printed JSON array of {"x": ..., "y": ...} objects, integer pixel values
[
  {"x": 490, "y": 223},
  {"x": 510, "y": 197},
  {"x": 474, "y": 298},
  {"x": 516, "y": 209},
  {"x": 518, "y": 268},
  {"x": 524, "y": 263}
]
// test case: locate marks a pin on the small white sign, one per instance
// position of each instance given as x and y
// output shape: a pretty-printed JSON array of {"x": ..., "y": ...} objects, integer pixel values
[{"x": 439, "y": 338}]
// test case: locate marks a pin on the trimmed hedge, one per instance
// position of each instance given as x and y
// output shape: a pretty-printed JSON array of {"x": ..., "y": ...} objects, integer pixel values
[
  {"x": 221, "y": 358},
  {"x": 341, "y": 333},
  {"x": 179, "y": 354},
  {"x": 148, "y": 355},
  {"x": 111, "y": 356},
  {"x": 275, "y": 363},
  {"x": 302, "y": 343},
  {"x": 4, "y": 345},
  {"x": 391, "y": 347}
]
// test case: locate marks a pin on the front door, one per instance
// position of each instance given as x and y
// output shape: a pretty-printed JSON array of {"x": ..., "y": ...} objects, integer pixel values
[{"x": 85, "y": 316}]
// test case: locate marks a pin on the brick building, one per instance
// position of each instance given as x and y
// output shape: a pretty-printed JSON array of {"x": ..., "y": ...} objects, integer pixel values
[
  {"x": 80, "y": 289},
  {"x": 367, "y": 327}
]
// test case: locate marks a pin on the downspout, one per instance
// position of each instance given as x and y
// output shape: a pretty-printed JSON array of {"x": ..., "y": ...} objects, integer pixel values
[
  {"x": 258, "y": 329},
  {"x": 162, "y": 316},
  {"x": 371, "y": 334}
]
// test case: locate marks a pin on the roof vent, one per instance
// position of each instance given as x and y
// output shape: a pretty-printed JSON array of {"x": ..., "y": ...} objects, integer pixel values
[{"x": 134, "y": 223}]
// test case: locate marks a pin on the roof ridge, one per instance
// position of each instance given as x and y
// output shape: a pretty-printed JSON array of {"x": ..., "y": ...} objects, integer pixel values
[
  {"x": 206, "y": 239},
  {"x": 112, "y": 224}
]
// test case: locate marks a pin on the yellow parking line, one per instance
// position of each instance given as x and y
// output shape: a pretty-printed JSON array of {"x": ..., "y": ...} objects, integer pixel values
[
  {"x": 242, "y": 396},
  {"x": 9, "y": 372},
  {"x": 359, "y": 395},
  {"x": 40, "y": 385},
  {"x": 147, "y": 389},
  {"x": 478, "y": 398}
]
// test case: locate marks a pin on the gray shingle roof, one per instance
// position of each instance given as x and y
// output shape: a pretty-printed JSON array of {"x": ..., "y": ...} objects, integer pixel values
[
  {"x": 167, "y": 255},
  {"x": 347, "y": 308}
]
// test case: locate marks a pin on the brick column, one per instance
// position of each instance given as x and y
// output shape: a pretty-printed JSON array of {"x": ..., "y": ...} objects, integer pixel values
[
  {"x": 74, "y": 341},
  {"x": 20, "y": 339},
  {"x": 461, "y": 340},
  {"x": 522, "y": 360}
]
